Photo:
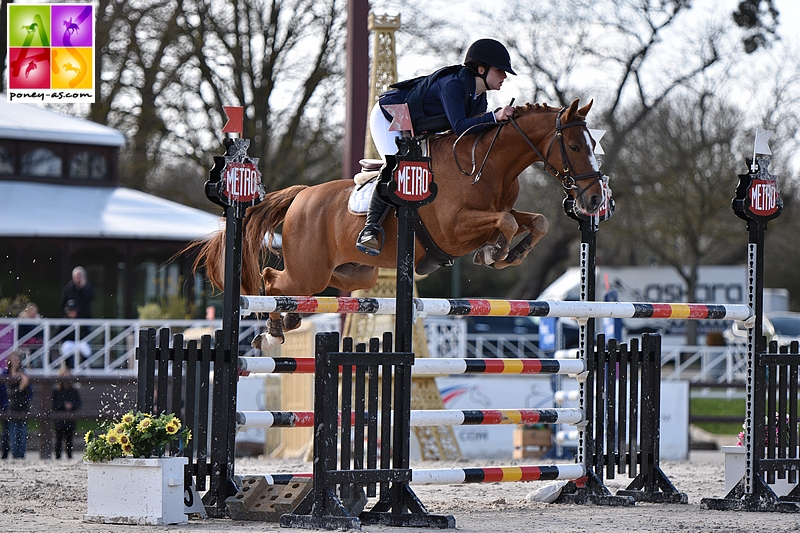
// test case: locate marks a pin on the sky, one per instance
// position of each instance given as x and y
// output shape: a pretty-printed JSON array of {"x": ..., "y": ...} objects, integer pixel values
[
  {"x": 789, "y": 18},
  {"x": 757, "y": 71}
]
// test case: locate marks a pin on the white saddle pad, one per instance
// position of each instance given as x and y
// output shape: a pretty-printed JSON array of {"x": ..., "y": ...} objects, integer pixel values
[{"x": 360, "y": 197}]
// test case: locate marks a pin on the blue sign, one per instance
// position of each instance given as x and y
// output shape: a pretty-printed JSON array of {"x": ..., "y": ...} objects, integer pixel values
[{"x": 547, "y": 334}]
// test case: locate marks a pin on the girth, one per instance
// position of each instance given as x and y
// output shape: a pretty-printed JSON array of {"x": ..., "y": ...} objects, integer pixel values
[{"x": 434, "y": 257}]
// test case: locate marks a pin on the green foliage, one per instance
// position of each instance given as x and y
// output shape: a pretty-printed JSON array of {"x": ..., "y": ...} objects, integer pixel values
[
  {"x": 718, "y": 407},
  {"x": 135, "y": 435},
  {"x": 12, "y": 307},
  {"x": 174, "y": 306}
]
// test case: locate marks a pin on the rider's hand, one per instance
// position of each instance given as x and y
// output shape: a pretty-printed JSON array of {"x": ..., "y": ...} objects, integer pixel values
[{"x": 503, "y": 113}]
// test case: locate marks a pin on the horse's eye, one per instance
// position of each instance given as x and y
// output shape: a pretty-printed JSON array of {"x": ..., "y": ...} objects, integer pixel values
[{"x": 574, "y": 147}]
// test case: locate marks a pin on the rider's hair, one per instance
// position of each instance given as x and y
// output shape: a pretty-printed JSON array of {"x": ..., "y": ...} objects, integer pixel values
[{"x": 472, "y": 66}]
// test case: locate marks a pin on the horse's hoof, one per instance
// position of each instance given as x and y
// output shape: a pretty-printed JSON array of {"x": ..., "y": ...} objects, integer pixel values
[
  {"x": 265, "y": 341},
  {"x": 291, "y": 321}
]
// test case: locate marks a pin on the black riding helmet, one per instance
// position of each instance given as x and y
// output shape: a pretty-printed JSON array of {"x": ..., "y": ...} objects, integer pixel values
[{"x": 489, "y": 52}]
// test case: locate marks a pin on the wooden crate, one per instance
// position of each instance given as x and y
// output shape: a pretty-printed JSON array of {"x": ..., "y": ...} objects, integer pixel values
[{"x": 531, "y": 442}]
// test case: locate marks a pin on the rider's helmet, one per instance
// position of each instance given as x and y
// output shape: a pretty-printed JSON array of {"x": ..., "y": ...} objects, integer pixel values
[{"x": 488, "y": 53}]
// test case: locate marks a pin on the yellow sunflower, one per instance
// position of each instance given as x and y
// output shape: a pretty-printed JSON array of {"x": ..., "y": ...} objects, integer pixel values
[
  {"x": 127, "y": 418},
  {"x": 127, "y": 448},
  {"x": 112, "y": 438},
  {"x": 144, "y": 424},
  {"x": 171, "y": 428},
  {"x": 124, "y": 439}
]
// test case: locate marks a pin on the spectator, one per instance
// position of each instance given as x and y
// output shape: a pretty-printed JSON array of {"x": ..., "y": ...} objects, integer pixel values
[
  {"x": 19, "y": 398},
  {"x": 4, "y": 407},
  {"x": 72, "y": 349},
  {"x": 66, "y": 398},
  {"x": 81, "y": 293},
  {"x": 35, "y": 341}
]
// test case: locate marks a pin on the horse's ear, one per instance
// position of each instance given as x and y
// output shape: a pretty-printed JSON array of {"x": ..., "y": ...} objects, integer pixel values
[
  {"x": 573, "y": 108},
  {"x": 585, "y": 109}
]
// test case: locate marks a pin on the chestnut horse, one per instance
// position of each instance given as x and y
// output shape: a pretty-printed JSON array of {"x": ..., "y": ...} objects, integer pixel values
[{"x": 319, "y": 233}]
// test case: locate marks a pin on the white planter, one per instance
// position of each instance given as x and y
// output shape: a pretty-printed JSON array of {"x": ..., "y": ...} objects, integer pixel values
[
  {"x": 734, "y": 471},
  {"x": 136, "y": 491}
]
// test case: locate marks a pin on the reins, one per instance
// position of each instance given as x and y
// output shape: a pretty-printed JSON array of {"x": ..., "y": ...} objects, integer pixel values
[
  {"x": 474, "y": 148},
  {"x": 568, "y": 181}
]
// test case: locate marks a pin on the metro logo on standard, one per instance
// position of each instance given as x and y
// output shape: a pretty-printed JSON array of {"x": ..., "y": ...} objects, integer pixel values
[{"x": 51, "y": 53}]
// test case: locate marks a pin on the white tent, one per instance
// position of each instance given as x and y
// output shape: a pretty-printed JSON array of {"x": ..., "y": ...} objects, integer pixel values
[
  {"x": 39, "y": 209},
  {"x": 47, "y": 210},
  {"x": 31, "y": 123}
]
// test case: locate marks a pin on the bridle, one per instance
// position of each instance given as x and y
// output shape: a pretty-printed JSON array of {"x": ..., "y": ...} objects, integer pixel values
[{"x": 565, "y": 176}]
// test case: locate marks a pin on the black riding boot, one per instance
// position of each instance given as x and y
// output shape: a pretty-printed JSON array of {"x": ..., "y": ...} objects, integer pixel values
[{"x": 370, "y": 240}]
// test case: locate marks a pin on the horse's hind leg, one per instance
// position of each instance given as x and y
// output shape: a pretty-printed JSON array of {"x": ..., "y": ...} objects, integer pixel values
[
  {"x": 291, "y": 321},
  {"x": 273, "y": 336}
]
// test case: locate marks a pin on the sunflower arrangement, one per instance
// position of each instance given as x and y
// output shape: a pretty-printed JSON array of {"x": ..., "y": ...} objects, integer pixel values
[
  {"x": 767, "y": 441},
  {"x": 135, "y": 435}
]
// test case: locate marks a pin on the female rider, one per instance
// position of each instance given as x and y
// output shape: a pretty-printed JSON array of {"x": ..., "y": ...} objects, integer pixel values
[{"x": 452, "y": 98}]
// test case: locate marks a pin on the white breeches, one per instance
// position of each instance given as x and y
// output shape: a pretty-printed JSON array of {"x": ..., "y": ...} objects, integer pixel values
[{"x": 383, "y": 138}]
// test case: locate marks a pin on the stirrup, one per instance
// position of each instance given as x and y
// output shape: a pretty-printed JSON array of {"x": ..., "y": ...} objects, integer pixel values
[{"x": 370, "y": 240}]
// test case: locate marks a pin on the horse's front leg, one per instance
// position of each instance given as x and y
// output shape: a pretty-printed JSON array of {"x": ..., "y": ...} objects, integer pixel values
[
  {"x": 536, "y": 226},
  {"x": 492, "y": 230},
  {"x": 490, "y": 254}
]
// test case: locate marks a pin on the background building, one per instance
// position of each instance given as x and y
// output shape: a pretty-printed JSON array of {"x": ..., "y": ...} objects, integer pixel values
[{"x": 62, "y": 207}]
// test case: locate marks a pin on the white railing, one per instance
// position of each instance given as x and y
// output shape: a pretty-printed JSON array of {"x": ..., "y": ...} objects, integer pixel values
[
  {"x": 97, "y": 346},
  {"x": 100, "y": 346},
  {"x": 448, "y": 337},
  {"x": 704, "y": 364}
]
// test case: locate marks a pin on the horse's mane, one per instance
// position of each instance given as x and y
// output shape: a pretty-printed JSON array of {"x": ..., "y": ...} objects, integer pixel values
[
  {"x": 533, "y": 108},
  {"x": 449, "y": 137}
]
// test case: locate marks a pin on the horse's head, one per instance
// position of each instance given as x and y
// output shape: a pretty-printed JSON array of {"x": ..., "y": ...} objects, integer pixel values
[{"x": 569, "y": 156}]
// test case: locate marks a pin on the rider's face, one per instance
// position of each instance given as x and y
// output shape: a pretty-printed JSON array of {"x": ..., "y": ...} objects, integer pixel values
[{"x": 495, "y": 78}]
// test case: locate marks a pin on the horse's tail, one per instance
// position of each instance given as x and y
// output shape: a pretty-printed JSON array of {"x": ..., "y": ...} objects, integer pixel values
[{"x": 260, "y": 220}]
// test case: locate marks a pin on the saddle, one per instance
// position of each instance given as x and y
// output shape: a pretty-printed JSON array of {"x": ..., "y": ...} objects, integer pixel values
[
  {"x": 365, "y": 181},
  {"x": 358, "y": 204}
]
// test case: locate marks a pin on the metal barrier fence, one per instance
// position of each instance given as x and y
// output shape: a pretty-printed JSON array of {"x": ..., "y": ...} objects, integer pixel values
[
  {"x": 97, "y": 346},
  {"x": 621, "y": 415}
]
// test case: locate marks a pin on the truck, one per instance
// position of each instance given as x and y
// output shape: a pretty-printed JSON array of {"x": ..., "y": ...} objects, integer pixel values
[{"x": 721, "y": 284}]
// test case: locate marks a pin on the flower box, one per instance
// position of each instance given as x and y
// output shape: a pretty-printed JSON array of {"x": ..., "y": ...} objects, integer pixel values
[
  {"x": 734, "y": 471},
  {"x": 136, "y": 491}
]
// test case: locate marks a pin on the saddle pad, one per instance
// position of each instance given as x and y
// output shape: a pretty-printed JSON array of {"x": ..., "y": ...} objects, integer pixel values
[{"x": 360, "y": 197}]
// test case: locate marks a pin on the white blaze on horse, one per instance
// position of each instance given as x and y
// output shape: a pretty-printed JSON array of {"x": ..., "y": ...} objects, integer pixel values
[{"x": 319, "y": 233}]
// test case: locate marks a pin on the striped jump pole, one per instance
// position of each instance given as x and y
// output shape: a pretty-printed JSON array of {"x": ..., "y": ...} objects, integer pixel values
[
  {"x": 421, "y": 418},
  {"x": 479, "y": 307},
  {"x": 427, "y": 367},
  {"x": 455, "y": 476}
]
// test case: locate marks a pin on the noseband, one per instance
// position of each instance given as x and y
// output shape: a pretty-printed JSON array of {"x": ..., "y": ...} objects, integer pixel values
[{"x": 565, "y": 176}]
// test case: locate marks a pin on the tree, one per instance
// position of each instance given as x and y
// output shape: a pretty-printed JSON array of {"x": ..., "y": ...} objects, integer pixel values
[
  {"x": 167, "y": 68},
  {"x": 622, "y": 54},
  {"x": 678, "y": 204},
  {"x": 759, "y": 22}
]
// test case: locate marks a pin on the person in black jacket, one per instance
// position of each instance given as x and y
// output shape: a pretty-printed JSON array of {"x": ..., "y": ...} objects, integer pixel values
[
  {"x": 19, "y": 392},
  {"x": 81, "y": 292},
  {"x": 452, "y": 98},
  {"x": 66, "y": 398}
]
